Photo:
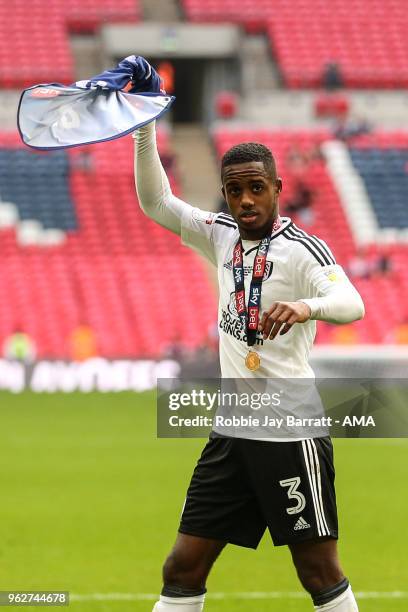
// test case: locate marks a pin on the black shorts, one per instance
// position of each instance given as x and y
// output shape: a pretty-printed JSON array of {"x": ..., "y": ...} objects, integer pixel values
[{"x": 241, "y": 487}]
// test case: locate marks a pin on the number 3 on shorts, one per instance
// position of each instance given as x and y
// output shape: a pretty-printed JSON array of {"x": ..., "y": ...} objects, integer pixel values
[{"x": 293, "y": 493}]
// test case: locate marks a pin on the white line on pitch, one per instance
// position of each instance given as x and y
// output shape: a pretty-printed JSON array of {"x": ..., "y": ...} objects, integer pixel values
[{"x": 232, "y": 595}]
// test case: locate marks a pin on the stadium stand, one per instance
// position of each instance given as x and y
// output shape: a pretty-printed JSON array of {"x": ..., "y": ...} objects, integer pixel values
[
  {"x": 368, "y": 39},
  {"x": 96, "y": 277},
  {"x": 74, "y": 246},
  {"x": 44, "y": 194},
  {"x": 93, "y": 278},
  {"x": 87, "y": 16},
  {"x": 384, "y": 169},
  {"x": 385, "y": 292},
  {"x": 38, "y": 36}
]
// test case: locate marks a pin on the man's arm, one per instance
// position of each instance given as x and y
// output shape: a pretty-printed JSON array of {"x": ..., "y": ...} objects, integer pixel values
[
  {"x": 152, "y": 185},
  {"x": 329, "y": 296},
  {"x": 196, "y": 227},
  {"x": 341, "y": 303}
]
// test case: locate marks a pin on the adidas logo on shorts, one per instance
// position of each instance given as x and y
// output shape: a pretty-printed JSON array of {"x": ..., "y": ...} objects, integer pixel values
[{"x": 301, "y": 524}]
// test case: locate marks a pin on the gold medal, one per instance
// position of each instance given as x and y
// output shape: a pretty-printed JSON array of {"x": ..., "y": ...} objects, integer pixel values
[{"x": 252, "y": 361}]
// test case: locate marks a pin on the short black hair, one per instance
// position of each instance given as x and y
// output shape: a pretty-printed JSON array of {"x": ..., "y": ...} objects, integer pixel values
[{"x": 250, "y": 152}]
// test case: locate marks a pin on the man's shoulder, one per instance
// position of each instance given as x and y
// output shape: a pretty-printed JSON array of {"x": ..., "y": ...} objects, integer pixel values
[
  {"x": 225, "y": 230},
  {"x": 306, "y": 245},
  {"x": 225, "y": 220},
  {"x": 205, "y": 218}
]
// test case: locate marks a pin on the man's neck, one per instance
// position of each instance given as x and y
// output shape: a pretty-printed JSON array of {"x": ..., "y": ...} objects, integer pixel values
[{"x": 256, "y": 235}]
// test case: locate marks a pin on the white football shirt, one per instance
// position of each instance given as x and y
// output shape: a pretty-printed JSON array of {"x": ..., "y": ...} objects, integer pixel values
[{"x": 298, "y": 266}]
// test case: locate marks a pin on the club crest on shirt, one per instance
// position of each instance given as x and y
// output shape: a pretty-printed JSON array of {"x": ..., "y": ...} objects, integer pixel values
[{"x": 204, "y": 216}]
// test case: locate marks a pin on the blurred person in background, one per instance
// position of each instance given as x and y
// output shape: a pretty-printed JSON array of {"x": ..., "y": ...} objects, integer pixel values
[
  {"x": 347, "y": 128},
  {"x": 365, "y": 264},
  {"x": 360, "y": 265},
  {"x": 167, "y": 74},
  {"x": 19, "y": 346},
  {"x": 83, "y": 343},
  {"x": 301, "y": 203},
  {"x": 332, "y": 77},
  {"x": 383, "y": 263}
]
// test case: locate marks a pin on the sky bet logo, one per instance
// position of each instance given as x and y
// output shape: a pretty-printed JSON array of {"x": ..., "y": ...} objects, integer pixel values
[
  {"x": 263, "y": 248},
  {"x": 259, "y": 266},
  {"x": 238, "y": 275},
  {"x": 255, "y": 297},
  {"x": 240, "y": 301},
  {"x": 237, "y": 257},
  {"x": 248, "y": 269},
  {"x": 253, "y": 318}
]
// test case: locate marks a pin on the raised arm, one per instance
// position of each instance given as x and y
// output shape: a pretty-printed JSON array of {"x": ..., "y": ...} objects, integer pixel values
[{"x": 152, "y": 185}]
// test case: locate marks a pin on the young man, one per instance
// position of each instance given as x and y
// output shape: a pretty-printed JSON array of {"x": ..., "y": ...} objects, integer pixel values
[{"x": 241, "y": 486}]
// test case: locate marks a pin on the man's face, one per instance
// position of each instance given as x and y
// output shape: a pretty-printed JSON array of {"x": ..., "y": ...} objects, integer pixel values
[{"x": 252, "y": 196}]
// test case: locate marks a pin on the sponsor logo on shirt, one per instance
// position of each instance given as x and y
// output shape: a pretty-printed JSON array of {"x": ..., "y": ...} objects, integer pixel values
[
  {"x": 333, "y": 277},
  {"x": 45, "y": 92}
]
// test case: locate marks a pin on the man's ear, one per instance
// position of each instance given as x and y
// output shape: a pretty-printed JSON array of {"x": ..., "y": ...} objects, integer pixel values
[
  {"x": 279, "y": 184},
  {"x": 223, "y": 192}
]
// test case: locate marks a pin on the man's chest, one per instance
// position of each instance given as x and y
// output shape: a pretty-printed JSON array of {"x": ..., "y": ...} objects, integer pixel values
[{"x": 277, "y": 282}]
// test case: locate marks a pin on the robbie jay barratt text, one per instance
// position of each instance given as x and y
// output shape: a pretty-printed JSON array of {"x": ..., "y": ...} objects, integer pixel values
[{"x": 278, "y": 423}]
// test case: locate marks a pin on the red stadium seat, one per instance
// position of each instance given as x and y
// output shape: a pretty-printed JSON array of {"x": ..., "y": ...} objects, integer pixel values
[
  {"x": 368, "y": 39},
  {"x": 95, "y": 277},
  {"x": 98, "y": 276},
  {"x": 34, "y": 36}
]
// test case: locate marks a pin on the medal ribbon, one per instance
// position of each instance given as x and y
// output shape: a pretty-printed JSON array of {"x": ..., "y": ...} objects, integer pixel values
[{"x": 250, "y": 317}]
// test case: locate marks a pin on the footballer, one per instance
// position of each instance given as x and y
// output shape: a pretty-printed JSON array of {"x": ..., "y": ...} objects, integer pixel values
[{"x": 241, "y": 487}]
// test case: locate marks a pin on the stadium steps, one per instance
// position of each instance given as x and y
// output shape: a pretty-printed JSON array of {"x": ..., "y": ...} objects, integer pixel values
[
  {"x": 8, "y": 109},
  {"x": 198, "y": 170},
  {"x": 159, "y": 11},
  {"x": 259, "y": 71},
  {"x": 87, "y": 55}
]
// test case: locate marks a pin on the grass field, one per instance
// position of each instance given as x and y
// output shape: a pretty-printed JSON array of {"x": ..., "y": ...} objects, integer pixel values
[{"x": 90, "y": 503}]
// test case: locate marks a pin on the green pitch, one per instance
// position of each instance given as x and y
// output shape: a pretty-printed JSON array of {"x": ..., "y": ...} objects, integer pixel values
[{"x": 90, "y": 503}]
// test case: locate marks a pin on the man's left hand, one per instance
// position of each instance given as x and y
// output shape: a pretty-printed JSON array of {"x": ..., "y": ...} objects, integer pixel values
[
  {"x": 281, "y": 316},
  {"x": 133, "y": 74}
]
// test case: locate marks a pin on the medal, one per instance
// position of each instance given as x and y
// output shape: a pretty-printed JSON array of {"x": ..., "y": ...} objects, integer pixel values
[
  {"x": 249, "y": 315},
  {"x": 253, "y": 361}
]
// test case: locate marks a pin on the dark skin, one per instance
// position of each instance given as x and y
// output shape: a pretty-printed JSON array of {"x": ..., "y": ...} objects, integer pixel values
[
  {"x": 249, "y": 188},
  {"x": 252, "y": 195},
  {"x": 191, "y": 559}
]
